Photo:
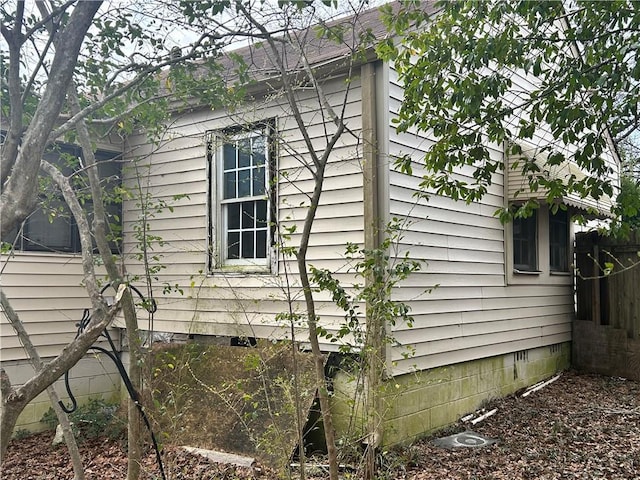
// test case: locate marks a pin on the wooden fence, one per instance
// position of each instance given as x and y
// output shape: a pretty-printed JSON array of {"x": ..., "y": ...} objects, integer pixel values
[{"x": 606, "y": 336}]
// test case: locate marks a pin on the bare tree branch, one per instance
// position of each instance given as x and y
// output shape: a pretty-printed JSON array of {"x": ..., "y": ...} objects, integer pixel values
[
  {"x": 12, "y": 140},
  {"x": 55, "y": 12},
  {"x": 19, "y": 174}
]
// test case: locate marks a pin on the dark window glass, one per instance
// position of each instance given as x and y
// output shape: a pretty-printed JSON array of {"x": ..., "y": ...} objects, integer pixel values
[
  {"x": 229, "y": 154},
  {"x": 13, "y": 238},
  {"x": 525, "y": 234},
  {"x": 244, "y": 183},
  {"x": 233, "y": 216},
  {"x": 248, "y": 215},
  {"x": 258, "y": 181},
  {"x": 261, "y": 214},
  {"x": 51, "y": 230},
  {"x": 244, "y": 152},
  {"x": 51, "y": 227},
  {"x": 261, "y": 244},
  {"x": 230, "y": 185},
  {"x": 259, "y": 148},
  {"x": 559, "y": 241},
  {"x": 247, "y": 244},
  {"x": 233, "y": 242}
]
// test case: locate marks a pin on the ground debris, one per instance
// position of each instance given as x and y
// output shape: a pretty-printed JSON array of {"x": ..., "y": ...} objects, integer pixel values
[{"x": 579, "y": 427}]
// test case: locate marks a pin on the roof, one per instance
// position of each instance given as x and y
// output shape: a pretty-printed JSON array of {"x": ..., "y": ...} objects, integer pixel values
[
  {"x": 361, "y": 31},
  {"x": 518, "y": 183},
  {"x": 318, "y": 50},
  {"x": 326, "y": 57}
]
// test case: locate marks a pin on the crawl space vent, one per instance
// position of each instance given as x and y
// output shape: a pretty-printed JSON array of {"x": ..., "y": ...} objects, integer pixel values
[{"x": 467, "y": 439}]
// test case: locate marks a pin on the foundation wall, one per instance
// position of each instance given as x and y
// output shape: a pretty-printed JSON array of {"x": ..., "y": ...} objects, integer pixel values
[
  {"x": 422, "y": 402},
  {"x": 94, "y": 376}
]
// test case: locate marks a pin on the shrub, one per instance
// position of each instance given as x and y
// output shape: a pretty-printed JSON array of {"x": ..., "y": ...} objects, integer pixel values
[{"x": 96, "y": 418}]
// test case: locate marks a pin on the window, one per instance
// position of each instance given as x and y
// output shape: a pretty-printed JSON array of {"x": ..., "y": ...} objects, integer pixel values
[
  {"x": 559, "y": 241},
  {"x": 241, "y": 164},
  {"x": 525, "y": 236},
  {"x": 540, "y": 251},
  {"x": 51, "y": 227}
]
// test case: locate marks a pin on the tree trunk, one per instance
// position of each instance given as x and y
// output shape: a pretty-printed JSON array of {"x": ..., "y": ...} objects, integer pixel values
[
  {"x": 19, "y": 177},
  {"x": 318, "y": 358},
  {"x": 67, "y": 431},
  {"x": 20, "y": 174},
  {"x": 134, "y": 432},
  {"x": 300, "y": 416},
  {"x": 100, "y": 230},
  {"x": 36, "y": 361},
  {"x": 15, "y": 399},
  {"x": 12, "y": 406}
]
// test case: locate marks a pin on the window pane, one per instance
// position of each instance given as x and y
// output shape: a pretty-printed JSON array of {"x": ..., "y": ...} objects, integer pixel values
[
  {"x": 229, "y": 155},
  {"x": 559, "y": 241},
  {"x": 247, "y": 244},
  {"x": 244, "y": 152},
  {"x": 230, "y": 185},
  {"x": 524, "y": 243},
  {"x": 261, "y": 244},
  {"x": 44, "y": 235},
  {"x": 261, "y": 214},
  {"x": 248, "y": 216},
  {"x": 109, "y": 169},
  {"x": 259, "y": 150},
  {"x": 244, "y": 183},
  {"x": 233, "y": 216},
  {"x": 258, "y": 181},
  {"x": 65, "y": 157},
  {"x": 233, "y": 245},
  {"x": 39, "y": 234}
]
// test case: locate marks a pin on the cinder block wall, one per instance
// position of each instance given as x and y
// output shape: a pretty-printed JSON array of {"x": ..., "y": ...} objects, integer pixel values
[
  {"x": 419, "y": 403},
  {"x": 94, "y": 376}
]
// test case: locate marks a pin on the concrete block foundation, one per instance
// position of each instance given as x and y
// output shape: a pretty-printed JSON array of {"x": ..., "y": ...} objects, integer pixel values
[
  {"x": 422, "y": 402},
  {"x": 95, "y": 376}
]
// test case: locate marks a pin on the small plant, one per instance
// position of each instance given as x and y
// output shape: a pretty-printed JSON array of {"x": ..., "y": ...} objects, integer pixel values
[
  {"x": 395, "y": 462},
  {"x": 21, "y": 433},
  {"x": 96, "y": 418},
  {"x": 49, "y": 419}
]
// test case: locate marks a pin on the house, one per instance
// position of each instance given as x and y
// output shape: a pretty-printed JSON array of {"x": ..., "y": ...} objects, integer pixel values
[
  {"x": 492, "y": 304},
  {"x": 500, "y": 317}
]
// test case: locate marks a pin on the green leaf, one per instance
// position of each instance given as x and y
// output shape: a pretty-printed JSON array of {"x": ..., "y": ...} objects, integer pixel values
[{"x": 608, "y": 268}]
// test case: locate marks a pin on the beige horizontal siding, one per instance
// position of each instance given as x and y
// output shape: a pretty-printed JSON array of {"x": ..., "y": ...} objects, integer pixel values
[
  {"x": 224, "y": 303},
  {"x": 471, "y": 313},
  {"x": 46, "y": 291},
  {"x": 434, "y": 280},
  {"x": 436, "y": 337},
  {"x": 531, "y": 333}
]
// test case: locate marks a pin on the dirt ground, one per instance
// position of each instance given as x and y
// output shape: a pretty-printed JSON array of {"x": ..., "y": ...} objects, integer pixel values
[{"x": 579, "y": 427}]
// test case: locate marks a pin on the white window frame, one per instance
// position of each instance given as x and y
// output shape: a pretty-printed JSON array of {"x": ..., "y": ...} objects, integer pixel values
[
  {"x": 543, "y": 275},
  {"x": 220, "y": 260}
]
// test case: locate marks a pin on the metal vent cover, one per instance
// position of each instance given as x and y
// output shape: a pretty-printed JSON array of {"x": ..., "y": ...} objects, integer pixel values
[{"x": 466, "y": 439}]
